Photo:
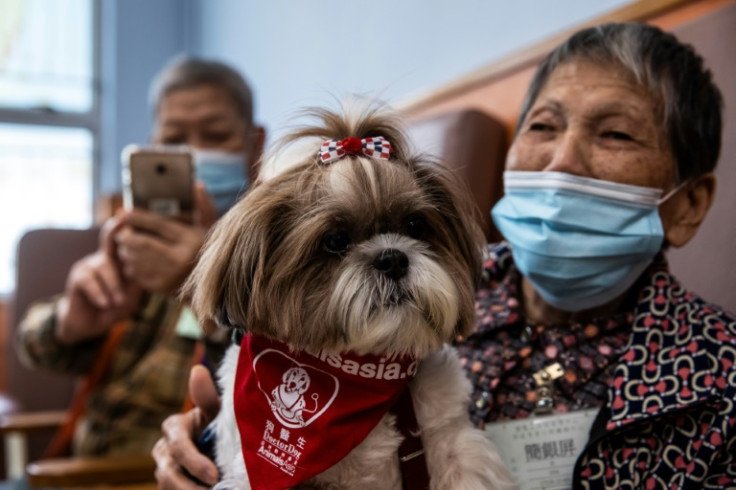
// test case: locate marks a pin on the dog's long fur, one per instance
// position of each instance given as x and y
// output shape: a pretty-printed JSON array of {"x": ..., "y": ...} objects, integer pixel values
[{"x": 268, "y": 267}]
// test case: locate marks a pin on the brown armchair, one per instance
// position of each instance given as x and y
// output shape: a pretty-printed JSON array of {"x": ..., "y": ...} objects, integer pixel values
[
  {"x": 36, "y": 402},
  {"x": 473, "y": 143}
]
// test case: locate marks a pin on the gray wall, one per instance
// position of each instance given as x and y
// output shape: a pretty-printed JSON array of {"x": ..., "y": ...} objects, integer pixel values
[
  {"x": 297, "y": 53},
  {"x": 138, "y": 37}
]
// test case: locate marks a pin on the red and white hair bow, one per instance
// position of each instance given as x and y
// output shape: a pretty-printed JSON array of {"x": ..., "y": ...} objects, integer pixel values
[{"x": 375, "y": 147}]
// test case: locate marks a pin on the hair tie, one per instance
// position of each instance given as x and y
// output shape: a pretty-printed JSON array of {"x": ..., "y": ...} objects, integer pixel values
[{"x": 375, "y": 147}]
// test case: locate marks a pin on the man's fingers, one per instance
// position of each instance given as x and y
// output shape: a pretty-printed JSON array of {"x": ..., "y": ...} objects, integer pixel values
[
  {"x": 203, "y": 392},
  {"x": 94, "y": 292},
  {"x": 84, "y": 280},
  {"x": 206, "y": 210},
  {"x": 107, "y": 274},
  {"x": 107, "y": 235},
  {"x": 130, "y": 243},
  {"x": 153, "y": 223}
]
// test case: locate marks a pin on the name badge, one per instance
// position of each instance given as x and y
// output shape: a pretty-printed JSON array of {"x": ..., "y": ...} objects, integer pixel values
[{"x": 541, "y": 452}]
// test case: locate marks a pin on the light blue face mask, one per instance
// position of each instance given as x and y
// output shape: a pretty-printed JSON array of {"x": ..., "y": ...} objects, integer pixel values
[
  {"x": 581, "y": 242},
  {"x": 223, "y": 175}
]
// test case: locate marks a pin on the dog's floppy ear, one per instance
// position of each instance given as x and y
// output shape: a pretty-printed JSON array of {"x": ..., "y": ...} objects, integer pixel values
[
  {"x": 231, "y": 262},
  {"x": 460, "y": 225}
]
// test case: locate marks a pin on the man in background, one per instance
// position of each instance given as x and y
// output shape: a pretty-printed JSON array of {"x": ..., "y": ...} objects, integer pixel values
[{"x": 127, "y": 290}]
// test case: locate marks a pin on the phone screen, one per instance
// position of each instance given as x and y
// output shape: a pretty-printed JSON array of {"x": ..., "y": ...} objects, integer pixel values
[{"x": 160, "y": 180}]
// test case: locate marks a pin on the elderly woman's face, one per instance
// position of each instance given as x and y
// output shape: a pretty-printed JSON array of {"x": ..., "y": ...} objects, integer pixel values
[{"x": 595, "y": 122}]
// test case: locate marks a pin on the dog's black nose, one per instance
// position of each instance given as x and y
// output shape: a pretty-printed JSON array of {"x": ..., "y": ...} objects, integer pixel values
[{"x": 392, "y": 263}]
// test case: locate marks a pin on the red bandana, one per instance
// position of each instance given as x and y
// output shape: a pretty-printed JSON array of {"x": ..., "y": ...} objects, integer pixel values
[{"x": 299, "y": 414}]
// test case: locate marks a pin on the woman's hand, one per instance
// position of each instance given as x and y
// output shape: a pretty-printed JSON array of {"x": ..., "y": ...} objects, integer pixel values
[{"x": 175, "y": 452}]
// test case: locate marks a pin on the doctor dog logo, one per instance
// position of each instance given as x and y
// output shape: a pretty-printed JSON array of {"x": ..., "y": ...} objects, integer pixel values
[
  {"x": 288, "y": 398},
  {"x": 299, "y": 394},
  {"x": 303, "y": 412}
]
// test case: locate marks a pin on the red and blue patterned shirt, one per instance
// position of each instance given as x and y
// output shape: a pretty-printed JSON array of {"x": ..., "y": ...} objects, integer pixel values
[{"x": 662, "y": 370}]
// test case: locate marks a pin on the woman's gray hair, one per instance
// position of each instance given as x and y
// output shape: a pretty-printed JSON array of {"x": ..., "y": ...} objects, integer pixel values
[
  {"x": 186, "y": 72},
  {"x": 674, "y": 74}
]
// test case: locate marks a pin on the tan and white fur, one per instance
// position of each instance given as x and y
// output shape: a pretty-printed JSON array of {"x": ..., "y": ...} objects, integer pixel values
[{"x": 362, "y": 255}]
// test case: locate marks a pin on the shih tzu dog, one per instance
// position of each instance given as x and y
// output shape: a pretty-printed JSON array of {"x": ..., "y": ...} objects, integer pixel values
[{"x": 345, "y": 275}]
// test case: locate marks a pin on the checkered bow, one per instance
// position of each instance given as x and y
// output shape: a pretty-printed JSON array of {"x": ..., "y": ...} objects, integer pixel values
[{"x": 375, "y": 147}]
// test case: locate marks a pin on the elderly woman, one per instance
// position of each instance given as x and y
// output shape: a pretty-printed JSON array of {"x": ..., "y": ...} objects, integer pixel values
[{"x": 611, "y": 164}]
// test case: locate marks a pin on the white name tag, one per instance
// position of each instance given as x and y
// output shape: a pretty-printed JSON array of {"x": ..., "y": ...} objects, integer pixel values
[{"x": 541, "y": 451}]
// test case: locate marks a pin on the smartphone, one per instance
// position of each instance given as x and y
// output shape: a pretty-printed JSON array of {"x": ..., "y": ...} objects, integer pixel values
[{"x": 159, "y": 179}]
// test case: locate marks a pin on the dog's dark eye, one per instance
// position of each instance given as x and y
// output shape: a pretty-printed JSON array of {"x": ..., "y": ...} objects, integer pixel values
[
  {"x": 337, "y": 242},
  {"x": 416, "y": 227}
]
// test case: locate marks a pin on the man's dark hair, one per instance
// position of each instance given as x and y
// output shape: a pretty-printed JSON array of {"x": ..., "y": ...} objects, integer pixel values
[{"x": 186, "y": 72}]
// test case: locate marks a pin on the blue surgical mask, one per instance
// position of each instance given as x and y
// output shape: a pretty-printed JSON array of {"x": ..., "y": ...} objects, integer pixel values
[
  {"x": 223, "y": 175},
  {"x": 581, "y": 242}
]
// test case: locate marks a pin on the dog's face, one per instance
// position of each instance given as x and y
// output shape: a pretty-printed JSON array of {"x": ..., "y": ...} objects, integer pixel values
[
  {"x": 296, "y": 380},
  {"x": 362, "y": 254}
]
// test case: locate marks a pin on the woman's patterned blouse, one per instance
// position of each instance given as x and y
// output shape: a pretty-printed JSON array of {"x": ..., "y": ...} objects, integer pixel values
[{"x": 663, "y": 370}]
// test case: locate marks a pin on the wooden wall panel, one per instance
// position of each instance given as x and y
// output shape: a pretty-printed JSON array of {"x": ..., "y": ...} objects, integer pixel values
[
  {"x": 4, "y": 328},
  {"x": 499, "y": 87}
]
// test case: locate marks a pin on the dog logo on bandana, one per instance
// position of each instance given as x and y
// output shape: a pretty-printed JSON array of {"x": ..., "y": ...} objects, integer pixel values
[
  {"x": 288, "y": 397},
  {"x": 298, "y": 395}
]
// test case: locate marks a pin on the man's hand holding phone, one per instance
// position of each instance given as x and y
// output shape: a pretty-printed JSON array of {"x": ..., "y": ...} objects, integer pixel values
[
  {"x": 167, "y": 217},
  {"x": 158, "y": 252}
]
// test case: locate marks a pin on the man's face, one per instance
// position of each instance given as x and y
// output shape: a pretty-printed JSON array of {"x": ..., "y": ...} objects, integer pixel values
[{"x": 204, "y": 117}]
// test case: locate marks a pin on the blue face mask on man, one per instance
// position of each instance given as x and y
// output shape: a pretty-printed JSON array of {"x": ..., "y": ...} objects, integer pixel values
[
  {"x": 223, "y": 175},
  {"x": 580, "y": 241}
]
